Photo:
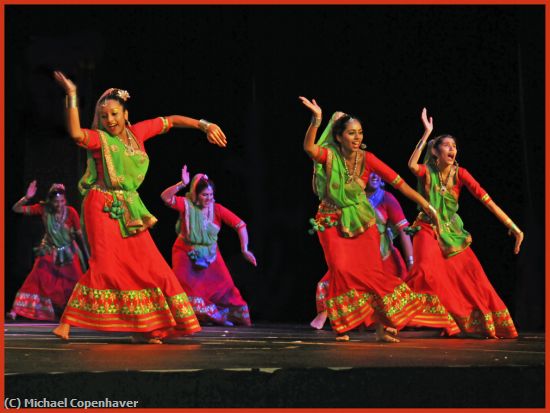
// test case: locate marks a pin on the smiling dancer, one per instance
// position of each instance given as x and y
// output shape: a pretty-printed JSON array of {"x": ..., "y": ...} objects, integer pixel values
[
  {"x": 129, "y": 286},
  {"x": 359, "y": 291}
]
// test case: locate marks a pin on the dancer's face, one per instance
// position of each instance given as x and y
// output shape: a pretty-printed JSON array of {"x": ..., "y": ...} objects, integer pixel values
[
  {"x": 206, "y": 197},
  {"x": 446, "y": 151},
  {"x": 113, "y": 117},
  {"x": 374, "y": 182},
  {"x": 352, "y": 137},
  {"x": 58, "y": 202}
]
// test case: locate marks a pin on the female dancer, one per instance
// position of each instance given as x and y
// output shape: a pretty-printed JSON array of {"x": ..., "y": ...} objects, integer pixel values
[
  {"x": 445, "y": 265},
  {"x": 391, "y": 222},
  {"x": 196, "y": 258},
  {"x": 359, "y": 291},
  {"x": 129, "y": 286},
  {"x": 59, "y": 262}
]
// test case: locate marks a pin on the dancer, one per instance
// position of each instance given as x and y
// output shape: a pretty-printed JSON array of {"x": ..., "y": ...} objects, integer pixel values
[
  {"x": 196, "y": 258},
  {"x": 59, "y": 261},
  {"x": 391, "y": 223},
  {"x": 359, "y": 291},
  {"x": 445, "y": 265},
  {"x": 129, "y": 286}
]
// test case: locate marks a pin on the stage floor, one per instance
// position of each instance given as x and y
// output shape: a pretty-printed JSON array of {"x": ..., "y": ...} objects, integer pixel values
[
  {"x": 304, "y": 356},
  {"x": 31, "y": 348}
]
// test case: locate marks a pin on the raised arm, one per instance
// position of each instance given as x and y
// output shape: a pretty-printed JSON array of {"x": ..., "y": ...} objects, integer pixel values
[
  {"x": 168, "y": 194},
  {"x": 71, "y": 107},
  {"x": 316, "y": 116},
  {"x": 213, "y": 132},
  {"x": 31, "y": 191},
  {"x": 428, "y": 127}
]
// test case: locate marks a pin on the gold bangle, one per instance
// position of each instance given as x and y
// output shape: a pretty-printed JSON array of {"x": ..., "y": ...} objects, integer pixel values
[
  {"x": 204, "y": 124},
  {"x": 71, "y": 101}
]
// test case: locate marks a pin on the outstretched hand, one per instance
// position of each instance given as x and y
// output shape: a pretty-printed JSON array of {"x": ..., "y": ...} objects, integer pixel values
[
  {"x": 312, "y": 106},
  {"x": 216, "y": 136},
  {"x": 428, "y": 123},
  {"x": 68, "y": 86},
  {"x": 519, "y": 239},
  {"x": 184, "y": 175},
  {"x": 31, "y": 190},
  {"x": 250, "y": 257}
]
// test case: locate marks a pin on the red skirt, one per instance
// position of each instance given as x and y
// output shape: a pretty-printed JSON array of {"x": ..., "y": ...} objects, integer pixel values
[
  {"x": 393, "y": 266},
  {"x": 128, "y": 286},
  {"x": 211, "y": 290},
  {"x": 459, "y": 284},
  {"x": 359, "y": 292},
  {"x": 47, "y": 287}
]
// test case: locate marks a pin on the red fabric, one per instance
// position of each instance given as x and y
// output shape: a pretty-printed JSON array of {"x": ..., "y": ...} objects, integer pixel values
[
  {"x": 464, "y": 179},
  {"x": 461, "y": 286},
  {"x": 371, "y": 164},
  {"x": 355, "y": 264},
  {"x": 211, "y": 290},
  {"x": 48, "y": 286},
  {"x": 123, "y": 268}
]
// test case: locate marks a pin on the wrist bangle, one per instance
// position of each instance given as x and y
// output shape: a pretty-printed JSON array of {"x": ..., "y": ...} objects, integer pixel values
[
  {"x": 71, "y": 101},
  {"x": 204, "y": 124},
  {"x": 421, "y": 144},
  {"x": 180, "y": 185},
  {"x": 410, "y": 259},
  {"x": 315, "y": 121}
]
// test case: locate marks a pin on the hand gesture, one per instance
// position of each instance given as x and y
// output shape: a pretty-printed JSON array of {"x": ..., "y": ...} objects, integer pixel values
[
  {"x": 31, "y": 190},
  {"x": 313, "y": 106},
  {"x": 68, "y": 86},
  {"x": 215, "y": 135},
  {"x": 519, "y": 239},
  {"x": 428, "y": 124},
  {"x": 249, "y": 257},
  {"x": 184, "y": 176}
]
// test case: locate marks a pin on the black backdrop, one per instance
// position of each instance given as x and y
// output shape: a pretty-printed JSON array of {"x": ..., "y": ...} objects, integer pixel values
[{"x": 478, "y": 69}]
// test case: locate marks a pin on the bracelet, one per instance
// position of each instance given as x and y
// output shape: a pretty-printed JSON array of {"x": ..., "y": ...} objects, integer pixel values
[
  {"x": 24, "y": 199},
  {"x": 410, "y": 259},
  {"x": 180, "y": 185},
  {"x": 515, "y": 228},
  {"x": 204, "y": 124},
  {"x": 421, "y": 144},
  {"x": 71, "y": 101},
  {"x": 316, "y": 122},
  {"x": 432, "y": 208}
]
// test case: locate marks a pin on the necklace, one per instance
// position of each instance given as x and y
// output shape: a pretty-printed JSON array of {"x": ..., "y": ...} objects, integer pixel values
[
  {"x": 58, "y": 220},
  {"x": 130, "y": 146},
  {"x": 443, "y": 187},
  {"x": 348, "y": 175}
]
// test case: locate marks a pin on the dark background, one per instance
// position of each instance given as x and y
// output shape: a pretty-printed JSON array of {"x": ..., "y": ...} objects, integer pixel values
[{"x": 478, "y": 69}]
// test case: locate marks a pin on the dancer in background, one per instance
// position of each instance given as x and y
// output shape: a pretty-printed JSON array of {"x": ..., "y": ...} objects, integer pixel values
[
  {"x": 196, "y": 258},
  {"x": 391, "y": 223},
  {"x": 59, "y": 261},
  {"x": 359, "y": 291},
  {"x": 446, "y": 270},
  {"x": 129, "y": 286}
]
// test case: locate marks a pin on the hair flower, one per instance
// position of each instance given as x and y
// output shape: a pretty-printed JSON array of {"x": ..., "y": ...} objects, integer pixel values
[{"x": 123, "y": 94}]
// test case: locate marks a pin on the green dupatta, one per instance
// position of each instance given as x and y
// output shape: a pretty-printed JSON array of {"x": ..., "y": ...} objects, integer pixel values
[
  {"x": 452, "y": 236},
  {"x": 330, "y": 184},
  {"x": 59, "y": 241},
  {"x": 124, "y": 172},
  {"x": 201, "y": 233}
]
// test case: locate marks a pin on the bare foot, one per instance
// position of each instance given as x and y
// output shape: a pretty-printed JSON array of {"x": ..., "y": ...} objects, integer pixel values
[
  {"x": 342, "y": 337},
  {"x": 386, "y": 334},
  {"x": 62, "y": 331},
  {"x": 141, "y": 339},
  {"x": 319, "y": 321}
]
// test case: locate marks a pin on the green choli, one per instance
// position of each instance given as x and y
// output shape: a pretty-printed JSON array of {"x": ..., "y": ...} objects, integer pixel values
[
  {"x": 124, "y": 171},
  {"x": 451, "y": 235}
]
